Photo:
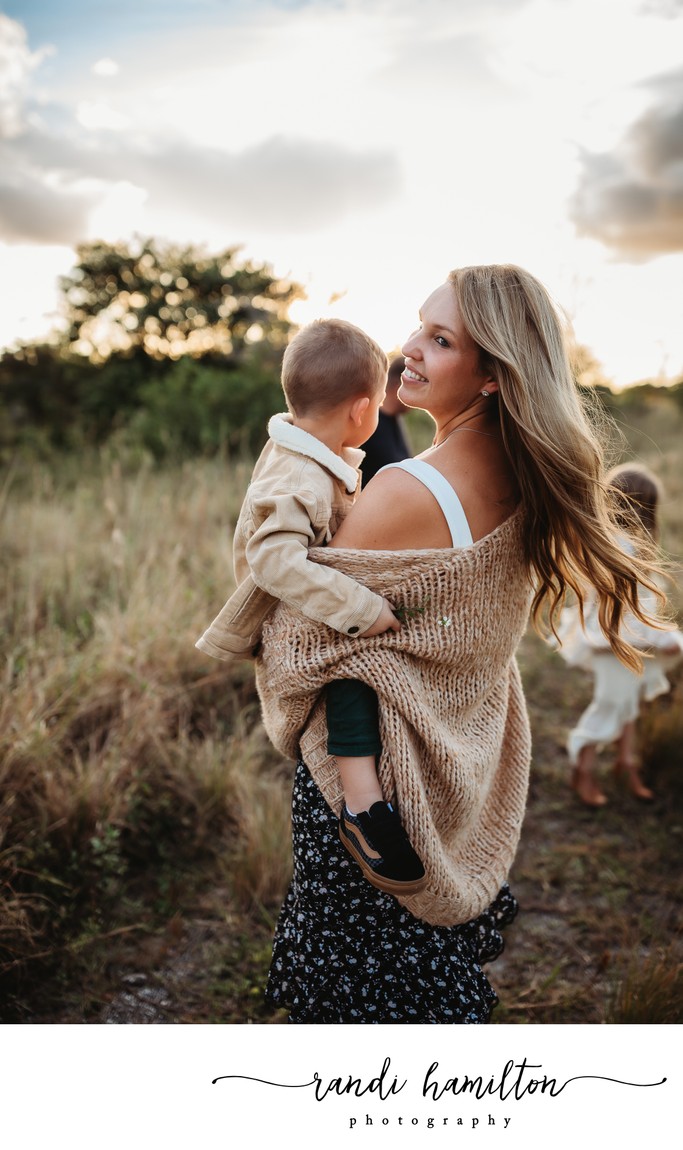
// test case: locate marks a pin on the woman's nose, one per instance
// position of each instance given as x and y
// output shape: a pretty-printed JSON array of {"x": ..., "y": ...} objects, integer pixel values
[{"x": 410, "y": 347}]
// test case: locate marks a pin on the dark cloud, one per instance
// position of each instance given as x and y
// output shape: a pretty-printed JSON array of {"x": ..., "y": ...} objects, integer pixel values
[
  {"x": 281, "y": 183},
  {"x": 34, "y": 210},
  {"x": 49, "y": 184},
  {"x": 632, "y": 198}
]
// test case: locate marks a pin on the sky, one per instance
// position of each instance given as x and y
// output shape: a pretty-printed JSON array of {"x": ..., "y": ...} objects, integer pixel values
[{"x": 362, "y": 148}]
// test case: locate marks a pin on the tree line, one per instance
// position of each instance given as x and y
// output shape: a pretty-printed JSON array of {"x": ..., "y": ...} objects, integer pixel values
[
  {"x": 174, "y": 352},
  {"x": 166, "y": 348}
]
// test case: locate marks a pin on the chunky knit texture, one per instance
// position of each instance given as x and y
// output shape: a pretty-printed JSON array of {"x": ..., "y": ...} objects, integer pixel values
[{"x": 454, "y": 726}]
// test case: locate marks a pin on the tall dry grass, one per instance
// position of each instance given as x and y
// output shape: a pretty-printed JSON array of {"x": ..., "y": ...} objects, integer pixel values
[
  {"x": 126, "y": 757},
  {"x": 121, "y": 747}
]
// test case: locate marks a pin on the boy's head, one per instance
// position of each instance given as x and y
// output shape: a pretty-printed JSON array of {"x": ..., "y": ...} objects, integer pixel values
[{"x": 330, "y": 362}]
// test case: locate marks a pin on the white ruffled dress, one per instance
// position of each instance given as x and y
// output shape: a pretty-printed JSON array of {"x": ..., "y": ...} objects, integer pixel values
[{"x": 617, "y": 691}]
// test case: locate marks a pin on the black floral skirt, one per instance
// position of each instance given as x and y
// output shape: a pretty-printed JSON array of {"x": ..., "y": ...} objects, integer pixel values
[{"x": 345, "y": 952}]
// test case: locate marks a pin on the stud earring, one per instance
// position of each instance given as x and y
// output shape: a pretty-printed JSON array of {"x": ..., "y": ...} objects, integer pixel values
[{"x": 486, "y": 394}]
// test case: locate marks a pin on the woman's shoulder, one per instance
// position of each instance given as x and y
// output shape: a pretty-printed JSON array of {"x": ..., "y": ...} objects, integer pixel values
[
  {"x": 393, "y": 512},
  {"x": 398, "y": 512}
]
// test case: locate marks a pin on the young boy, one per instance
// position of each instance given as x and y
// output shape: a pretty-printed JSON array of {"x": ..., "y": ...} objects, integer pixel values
[{"x": 305, "y": 481}]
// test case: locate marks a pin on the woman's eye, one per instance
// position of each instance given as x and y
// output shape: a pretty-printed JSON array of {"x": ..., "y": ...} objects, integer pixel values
[{"x": 442, "y": 341}]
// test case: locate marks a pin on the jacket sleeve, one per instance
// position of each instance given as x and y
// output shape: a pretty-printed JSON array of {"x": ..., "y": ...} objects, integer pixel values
[
  {"x": 236, "y": 630},
  {"x": 277, "y": 554}
]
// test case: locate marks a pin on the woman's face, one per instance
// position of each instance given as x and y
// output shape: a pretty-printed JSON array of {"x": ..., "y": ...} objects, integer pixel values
[{"x": 442, "y": 373}]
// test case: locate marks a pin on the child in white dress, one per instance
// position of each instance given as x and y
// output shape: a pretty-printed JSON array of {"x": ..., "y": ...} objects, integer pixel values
[{"x": 618, "y": 691}]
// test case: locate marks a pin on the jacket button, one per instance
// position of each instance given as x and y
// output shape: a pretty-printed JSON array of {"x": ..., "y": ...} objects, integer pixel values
[{"x": 354, "y": 630}]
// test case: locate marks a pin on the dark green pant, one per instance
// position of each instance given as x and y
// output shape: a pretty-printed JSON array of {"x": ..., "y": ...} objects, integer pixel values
[{"x": 352, "y": 719}]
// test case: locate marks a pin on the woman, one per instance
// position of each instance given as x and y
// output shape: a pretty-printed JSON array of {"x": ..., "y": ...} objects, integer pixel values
[{"x": 503, "y": 513}]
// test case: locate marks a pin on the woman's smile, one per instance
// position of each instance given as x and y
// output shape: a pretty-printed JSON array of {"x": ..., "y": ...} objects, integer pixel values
[{"x": 409, "y": 373}]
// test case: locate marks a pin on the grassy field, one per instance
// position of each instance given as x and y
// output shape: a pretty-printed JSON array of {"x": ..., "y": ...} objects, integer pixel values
[{"x": 144, "y": 817}]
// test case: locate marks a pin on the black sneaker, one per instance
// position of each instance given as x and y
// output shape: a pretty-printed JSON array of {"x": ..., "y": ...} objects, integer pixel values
[{"x": 377, "y": 841}]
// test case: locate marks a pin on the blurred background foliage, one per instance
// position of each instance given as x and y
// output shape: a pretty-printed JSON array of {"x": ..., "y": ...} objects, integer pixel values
[
  {"x": 170, "y": 353},
  {"x": 170, "y": 350}
]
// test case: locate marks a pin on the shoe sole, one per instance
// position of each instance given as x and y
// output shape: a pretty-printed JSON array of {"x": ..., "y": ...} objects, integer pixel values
[{"x": 388, "y": 885}]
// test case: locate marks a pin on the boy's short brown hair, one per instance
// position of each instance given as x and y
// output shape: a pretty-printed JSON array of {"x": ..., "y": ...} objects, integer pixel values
[{"x": 329, "y": 361}]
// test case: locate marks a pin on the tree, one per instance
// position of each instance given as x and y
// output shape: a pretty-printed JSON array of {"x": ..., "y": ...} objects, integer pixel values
[
  {"x": 590, "y": 375},
  {"x": 39, "y": 390},
  {"x": 166, "y": 301}
]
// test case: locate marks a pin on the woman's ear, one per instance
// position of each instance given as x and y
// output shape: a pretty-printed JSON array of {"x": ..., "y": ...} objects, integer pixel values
[
  {"x": 489, "y": 383},
  {"x": 358, "y": 409}
]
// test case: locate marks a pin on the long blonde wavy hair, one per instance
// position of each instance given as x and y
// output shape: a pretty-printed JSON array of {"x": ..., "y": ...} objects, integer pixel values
[{"x": 572, "y": 537}]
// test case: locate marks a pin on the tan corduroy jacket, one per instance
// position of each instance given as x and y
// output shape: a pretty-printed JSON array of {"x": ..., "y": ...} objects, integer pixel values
[{"x": 299, "y": 493}]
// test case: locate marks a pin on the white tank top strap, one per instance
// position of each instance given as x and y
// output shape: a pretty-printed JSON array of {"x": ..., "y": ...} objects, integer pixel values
[{"x": 445, "y": 496}]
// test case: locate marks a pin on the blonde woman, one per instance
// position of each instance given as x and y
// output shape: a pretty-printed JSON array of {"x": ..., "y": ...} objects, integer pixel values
[{"x": 501, "y": 515}]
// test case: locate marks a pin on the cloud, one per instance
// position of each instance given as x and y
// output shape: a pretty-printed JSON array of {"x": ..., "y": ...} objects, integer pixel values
[
  {"x": 669, "y": 9},
  {"x": 631, "y": 199},
  {"x": 461, "y": 64},
  {"x": 17, "y": 63},
  {"x": 298, "y": 185},
  {"x": 49, "y": 185},
  {"x": 436, "y": 15},
  {"x": 57, "y": 166},
  {"x": 35, "y": 210},
  {"x": 281, "y": 183},
  {"x": 105, "y": 67}
]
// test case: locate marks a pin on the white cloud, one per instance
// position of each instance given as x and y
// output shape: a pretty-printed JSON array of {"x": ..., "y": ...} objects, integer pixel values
[
  {"x": 17, "y": 63},
  {"x": 95, "y": 115},
  {"x": 105, "y": 67}
]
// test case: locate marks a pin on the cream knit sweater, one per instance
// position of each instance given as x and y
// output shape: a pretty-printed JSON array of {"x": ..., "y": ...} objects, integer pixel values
[{"x": 454, "y": 726}]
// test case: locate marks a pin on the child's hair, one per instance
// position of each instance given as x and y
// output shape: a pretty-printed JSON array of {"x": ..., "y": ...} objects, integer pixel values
[
  {"x": 571, "y": 535},
  {"x": 636, "y": 494},
  {"x": 328, "y": 362}
]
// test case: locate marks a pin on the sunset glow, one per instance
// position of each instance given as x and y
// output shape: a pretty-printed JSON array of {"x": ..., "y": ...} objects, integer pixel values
[{"x": 361, "y": 149}]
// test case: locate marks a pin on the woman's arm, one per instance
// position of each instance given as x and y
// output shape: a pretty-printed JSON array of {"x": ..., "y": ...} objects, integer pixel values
[{"x": 394, "y": 512}]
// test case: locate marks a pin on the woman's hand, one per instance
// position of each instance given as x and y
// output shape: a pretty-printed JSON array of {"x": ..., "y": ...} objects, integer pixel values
[{"x": 385, "y": 621}]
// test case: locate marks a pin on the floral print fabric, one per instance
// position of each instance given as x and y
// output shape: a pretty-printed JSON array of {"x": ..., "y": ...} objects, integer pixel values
[{"x": 345, "y": 952}]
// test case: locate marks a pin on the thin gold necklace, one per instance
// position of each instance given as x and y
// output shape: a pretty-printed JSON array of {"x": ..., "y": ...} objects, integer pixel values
[{"x": 476, "y": 431}]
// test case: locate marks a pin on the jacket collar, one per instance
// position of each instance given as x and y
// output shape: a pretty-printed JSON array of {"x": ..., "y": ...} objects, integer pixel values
[{"x": 282, "y": 432}]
